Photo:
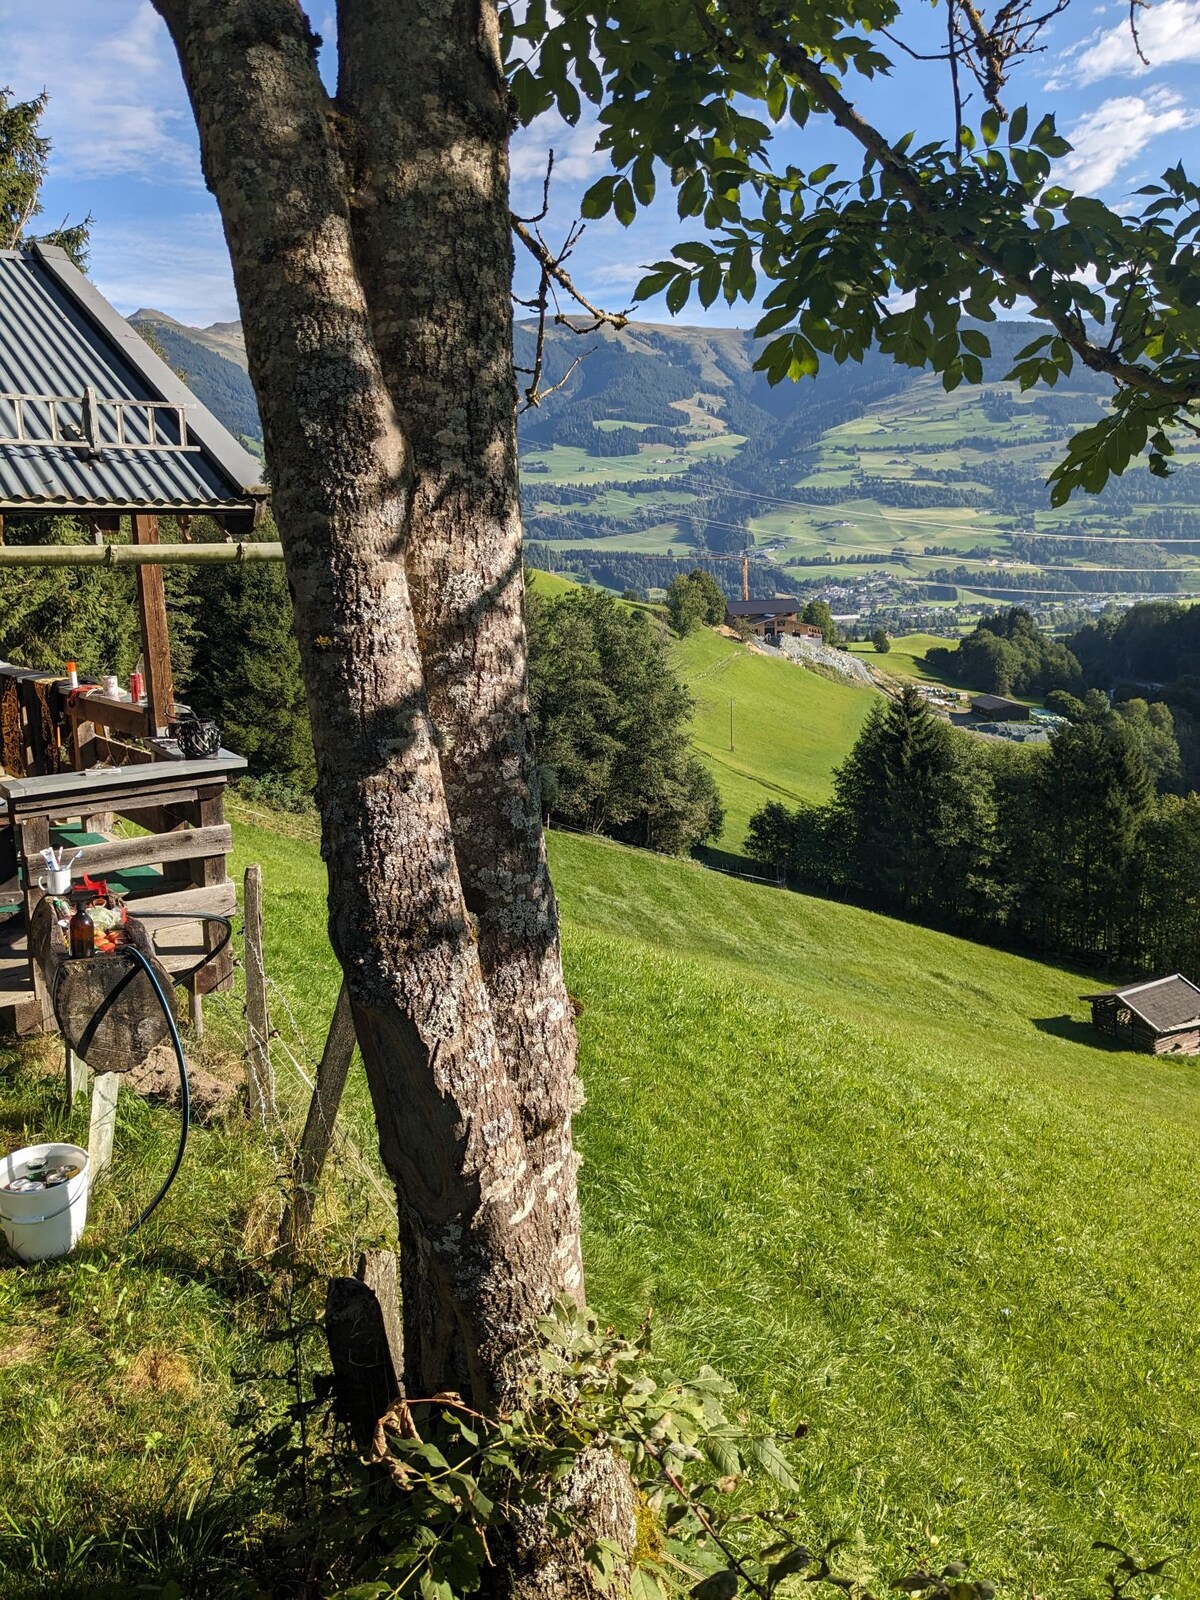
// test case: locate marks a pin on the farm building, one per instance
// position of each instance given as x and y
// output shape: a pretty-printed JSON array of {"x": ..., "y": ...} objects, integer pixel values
[
  {"x": 1161, "y": 1017},
  {"x": 767, "y": 617},
  {"x": 95, "y": 426},
  {"x": 996, "y": 708}
]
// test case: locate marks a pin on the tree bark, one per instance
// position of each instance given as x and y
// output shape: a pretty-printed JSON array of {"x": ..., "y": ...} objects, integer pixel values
[
  {"x": 425, "y": 128},
  {"x": 342, "y": 477}
]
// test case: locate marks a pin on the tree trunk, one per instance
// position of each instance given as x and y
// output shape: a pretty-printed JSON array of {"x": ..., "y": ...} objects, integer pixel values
[
  {"x": 449, "y": 1124},
  {"x": 425, "y": 127}
]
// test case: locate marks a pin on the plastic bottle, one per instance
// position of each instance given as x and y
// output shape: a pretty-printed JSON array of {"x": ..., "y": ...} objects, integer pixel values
[
  {"x": 83, "y": 933},
  {"x": 72, "y": 675}
]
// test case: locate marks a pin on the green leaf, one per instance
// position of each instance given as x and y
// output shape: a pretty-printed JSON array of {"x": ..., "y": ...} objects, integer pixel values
[
  {"x": 989, "y": 126},
  {"x": 976, "y": 341},
  {"x": 1018, "y": 125},
  {"x": 723, "y": 1453},
  {"x": 677, "y": 294},
  {"x": 645, "y": 1584},
  {"x": 773, "y": 1462},
  {"x": 624, "y": 203},
  {"x": 654, "y": 282},
  {"x": 597, "y": 202}
]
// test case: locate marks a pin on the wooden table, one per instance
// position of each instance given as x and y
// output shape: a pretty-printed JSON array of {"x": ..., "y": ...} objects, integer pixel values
[{"x": 181, "y": 803}]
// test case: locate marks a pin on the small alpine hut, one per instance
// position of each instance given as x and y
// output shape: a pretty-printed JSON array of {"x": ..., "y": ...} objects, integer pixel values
[
  {"x": 1161, "y": 1017},
  {"x": 95, "y": 426}
]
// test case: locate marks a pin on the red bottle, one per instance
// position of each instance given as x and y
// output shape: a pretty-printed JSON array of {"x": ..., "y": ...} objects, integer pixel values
[{"x": 136, "y": 687}]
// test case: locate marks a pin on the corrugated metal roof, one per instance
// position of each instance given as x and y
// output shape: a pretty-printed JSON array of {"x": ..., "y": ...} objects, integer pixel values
[{"x": 59, "y": 336}]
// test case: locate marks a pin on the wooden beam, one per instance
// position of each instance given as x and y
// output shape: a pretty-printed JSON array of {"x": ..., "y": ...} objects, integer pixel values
[
  {"x": 259, "y": 1076},
  {"x": 319, "y": 1124},
  {"x": 129, "y": 555},
  {"x": 152, "y": 850},
  {"x": 156, "y": 640}
]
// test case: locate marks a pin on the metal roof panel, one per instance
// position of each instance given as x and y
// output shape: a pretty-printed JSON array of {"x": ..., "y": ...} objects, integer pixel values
[{"x": 59, "y": 336}]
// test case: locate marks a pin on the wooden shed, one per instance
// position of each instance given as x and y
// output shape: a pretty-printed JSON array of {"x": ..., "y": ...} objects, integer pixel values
[
  {"x": 1161, "y": 1017},
  {"x": 998, "y": 708},
  {"x": 94, "y": 425}
]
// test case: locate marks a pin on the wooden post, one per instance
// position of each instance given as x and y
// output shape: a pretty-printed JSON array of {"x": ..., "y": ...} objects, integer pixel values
[
  {"x": 156, "y": 642},
  {"x": 33, "y": 836},
  {"x": 76, "y": 1071},
  {"x": 319, "y": 1124},
  {"x": 362, "y": 1345},
  {"x": 259, "y": 1077},
  {"x": 103, "y": 1122}
]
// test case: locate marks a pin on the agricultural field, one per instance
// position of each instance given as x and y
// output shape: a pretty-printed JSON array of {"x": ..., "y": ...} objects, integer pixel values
[{"x": 886, "y": 1180}]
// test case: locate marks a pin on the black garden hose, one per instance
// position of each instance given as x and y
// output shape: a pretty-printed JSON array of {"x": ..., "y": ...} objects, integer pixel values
[{"x": 185, "y": 1093}]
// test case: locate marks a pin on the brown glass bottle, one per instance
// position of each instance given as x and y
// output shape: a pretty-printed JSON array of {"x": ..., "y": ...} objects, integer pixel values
[{"x": 82, "y": 933}]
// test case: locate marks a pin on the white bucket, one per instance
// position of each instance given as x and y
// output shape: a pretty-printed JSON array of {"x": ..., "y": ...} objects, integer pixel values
[{"x": 44, "y": 1222}]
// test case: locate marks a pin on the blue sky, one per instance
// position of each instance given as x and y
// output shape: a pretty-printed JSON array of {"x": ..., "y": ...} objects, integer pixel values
[{"x": 125, "y": 147}]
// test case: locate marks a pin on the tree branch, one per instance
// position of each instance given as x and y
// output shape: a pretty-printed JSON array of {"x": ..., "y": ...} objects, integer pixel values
[
  {"x": 766, "y": 37},
  {"x": 551, "y": 264}
]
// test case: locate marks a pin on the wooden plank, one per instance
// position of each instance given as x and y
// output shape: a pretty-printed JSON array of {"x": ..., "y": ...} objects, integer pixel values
[
  {"x": 187, "y": 845},
  {"x": 33, "y": 836},
  {"x": 320, "y": 1122},
  {"x": 122, "y": 716},
  {"x": 209, "y": 772},
  {"x": 103, "y": 1122},
  {"x": 93, "y": 794},
  {"x": 259, "y": 1077},
  {"x": 220, "y": 900},
  {"x": 156, "y": 639}
]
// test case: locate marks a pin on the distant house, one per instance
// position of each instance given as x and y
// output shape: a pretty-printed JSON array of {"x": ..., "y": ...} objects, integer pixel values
[
  {"x": 1161, "y": 1017},
  {"x": 768, "y": 617},
  {"x": 995, "y": 708}
]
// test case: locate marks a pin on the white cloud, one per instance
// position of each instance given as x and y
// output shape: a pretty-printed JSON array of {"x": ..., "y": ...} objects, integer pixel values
[
  {"x": 1169, "y": 32},
  {"x": 1115, "y": 134},
  {"x": 117, "y": 103},
  {"x": 576, "y": 159},
  {"x": 183, "y": 270}
]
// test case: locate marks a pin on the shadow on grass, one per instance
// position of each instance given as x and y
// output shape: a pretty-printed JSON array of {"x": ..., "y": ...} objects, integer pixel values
[{"x": 1068, "y": 1027}]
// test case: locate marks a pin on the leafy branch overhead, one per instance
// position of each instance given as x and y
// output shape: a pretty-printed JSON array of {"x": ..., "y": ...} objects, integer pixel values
[{"x": 909, "y": 252}]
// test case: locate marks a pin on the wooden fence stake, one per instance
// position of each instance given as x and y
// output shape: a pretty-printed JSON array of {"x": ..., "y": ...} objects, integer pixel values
[
  {"x": 259, "y": 1077},
  {"x": 103, "y": 1122},
  {"x": 319, "y": 1124},
  {"x": 363, "y": 1330}
]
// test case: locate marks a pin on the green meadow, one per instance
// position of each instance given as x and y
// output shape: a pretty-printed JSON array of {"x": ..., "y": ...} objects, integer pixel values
[{"x": 790, "y": 727}]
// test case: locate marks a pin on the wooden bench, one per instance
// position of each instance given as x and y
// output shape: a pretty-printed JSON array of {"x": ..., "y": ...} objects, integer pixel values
[{"x": 181, "y": 805}]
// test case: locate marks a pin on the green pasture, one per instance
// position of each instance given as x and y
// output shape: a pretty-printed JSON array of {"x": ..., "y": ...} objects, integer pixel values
[
  {"x": 886, "y": 1180},
  {"x": 790, "y": 727},
  {"x": 906, "y": 658}
]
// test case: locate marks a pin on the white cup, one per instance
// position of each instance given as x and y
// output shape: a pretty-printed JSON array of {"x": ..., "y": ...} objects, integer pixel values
[
  {"x": 56, "y": 882},
  {"x": 110, "y": 686}
]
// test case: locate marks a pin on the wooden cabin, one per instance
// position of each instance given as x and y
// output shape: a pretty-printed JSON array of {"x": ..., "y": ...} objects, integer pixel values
[
  {"x": 1161, "y": 1017},
  {"x": 767, "y": 618},
  {"x": 93, "y": 424}
]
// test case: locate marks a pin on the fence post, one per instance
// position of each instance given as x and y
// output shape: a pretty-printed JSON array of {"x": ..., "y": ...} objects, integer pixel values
[
  {"x": 259, "y": 1078},
  {"x": 319, "y": 1125}
]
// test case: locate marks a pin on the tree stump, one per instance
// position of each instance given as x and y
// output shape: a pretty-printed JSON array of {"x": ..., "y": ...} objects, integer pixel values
[{"x": 105, "y": 1006}]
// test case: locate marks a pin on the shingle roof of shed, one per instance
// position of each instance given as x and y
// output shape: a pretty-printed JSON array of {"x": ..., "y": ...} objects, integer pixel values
[
  {"x": 1166, "y": 1004},
  {"x": 59, "y": 336}
]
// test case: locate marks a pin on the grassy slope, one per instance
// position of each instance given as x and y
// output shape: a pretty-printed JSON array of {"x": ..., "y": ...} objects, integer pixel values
[
  {"x": 841, "y": 1160},
  {"x": 791, "y": 727},
  {"x": 835, "y": 1153},
  {"x": 906, "y": 658}
]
